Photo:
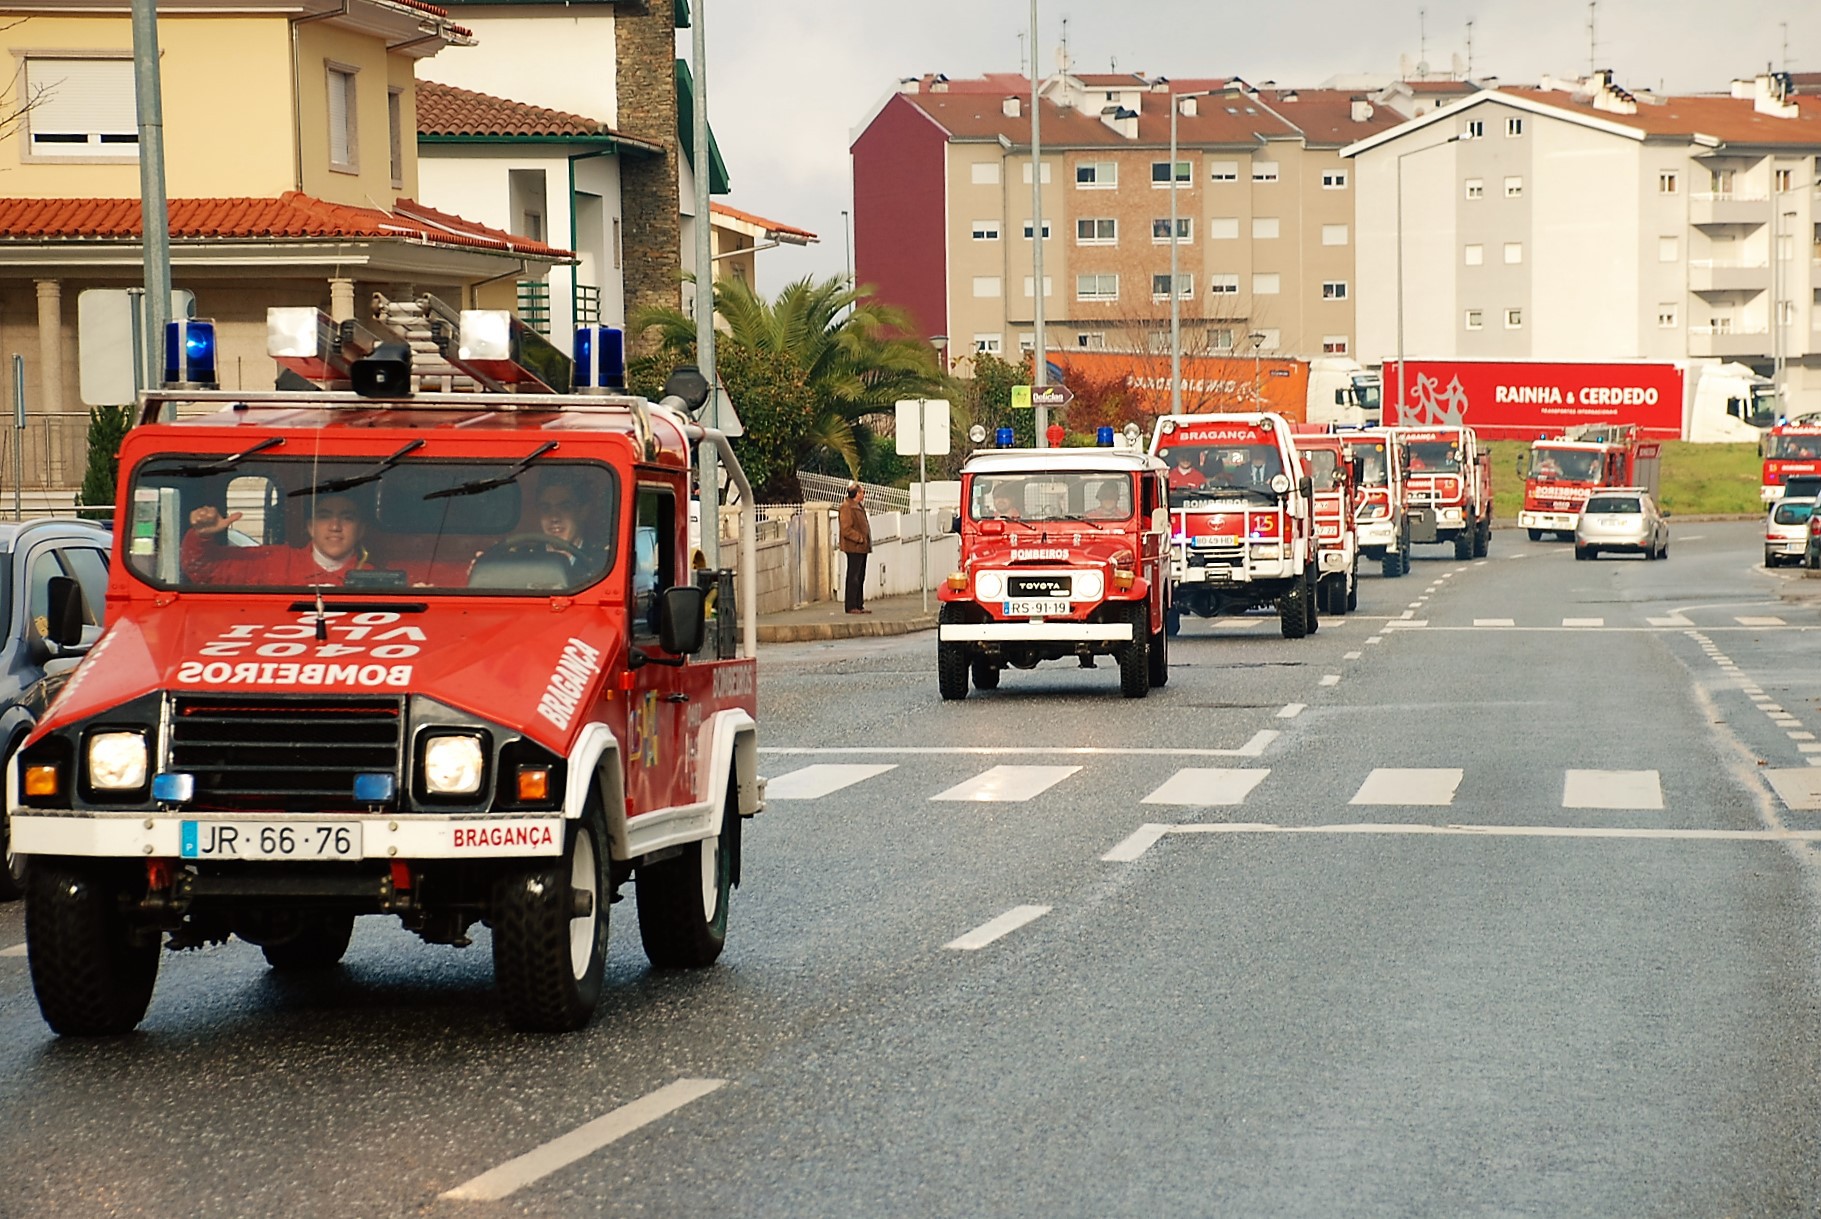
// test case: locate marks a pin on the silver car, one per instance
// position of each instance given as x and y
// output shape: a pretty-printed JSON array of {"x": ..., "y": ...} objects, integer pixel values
[
  {"x": 1786, "y": 531},
  {"x": 1623, "y": 520}
]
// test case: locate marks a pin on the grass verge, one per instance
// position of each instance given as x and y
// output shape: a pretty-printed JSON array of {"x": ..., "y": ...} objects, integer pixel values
[{"x": 1696, "y": 479}]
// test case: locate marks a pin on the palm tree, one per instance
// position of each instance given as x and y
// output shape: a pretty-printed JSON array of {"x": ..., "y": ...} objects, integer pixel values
[{"x": 854, "y": 353}]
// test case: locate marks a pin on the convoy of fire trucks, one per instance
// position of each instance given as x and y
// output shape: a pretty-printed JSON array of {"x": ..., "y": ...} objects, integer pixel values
[
  {"x": 1561, "y": 472},
  {"x": 1790, "y": 451},
  {"x": 375, "y": 647}
]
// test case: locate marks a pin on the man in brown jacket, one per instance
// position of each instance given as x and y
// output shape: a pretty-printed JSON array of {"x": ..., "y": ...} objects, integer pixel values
[{"x": 856, "y": 544}]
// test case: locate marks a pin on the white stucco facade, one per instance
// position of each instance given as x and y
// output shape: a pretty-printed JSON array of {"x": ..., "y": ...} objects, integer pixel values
[{"x": 559, "y": 56}]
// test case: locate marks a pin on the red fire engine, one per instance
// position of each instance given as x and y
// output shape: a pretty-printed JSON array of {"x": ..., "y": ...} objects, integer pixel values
[
  {"x": 1380, "y": 499},
  {"x": 1242, "y": 519},
  {"x": 1330, "y": 469},
  {"x": 1063, "y": 553},
  {"x": 373, "y": 649},
  {"x": 1561, "y": 472},
  {"x": 1791, "y": 451},
  {"x": 1450, "y": 492}
]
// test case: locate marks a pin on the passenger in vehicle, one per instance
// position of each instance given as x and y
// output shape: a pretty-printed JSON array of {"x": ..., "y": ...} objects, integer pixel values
[
  {"x": 1005, "y": 502},
  {"x": 1107, "y": 503},
  {"x": 562, "y": 510},
  {"x": 1263, "y": 469},
  {"x": 337, "y": 528},
  {"x": 1184, "y": 475}
]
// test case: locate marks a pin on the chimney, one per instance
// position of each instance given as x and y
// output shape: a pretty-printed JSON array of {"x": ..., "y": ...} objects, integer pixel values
[
  {"x": 1362, "y": 109},
  {"x": 1189, "y": 107},
  {"x": 1012, "y": 107},
  {"x": 1614, "y": 99},
  {"x": 1122, "y": 120},
  {"x": 1770, "y": 95}
]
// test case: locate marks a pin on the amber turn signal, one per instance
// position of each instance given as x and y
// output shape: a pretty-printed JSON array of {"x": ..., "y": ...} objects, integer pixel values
[
  {"x": 533, "y": 784},
  {"x": 41, "y": 781},
  {"x": 957, "y": 581}
]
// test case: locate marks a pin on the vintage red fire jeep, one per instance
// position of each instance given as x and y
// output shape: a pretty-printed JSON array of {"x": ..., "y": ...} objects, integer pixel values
[
  {"x": 1325, "y": 460},
  {"x": 1063, "y": 553},
  {"x": 437, "y": 655},
  {"x": 1242, "y": 518}
]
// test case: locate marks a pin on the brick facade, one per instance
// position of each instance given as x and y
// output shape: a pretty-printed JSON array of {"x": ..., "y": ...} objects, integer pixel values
[{"x": 645, "y": 54}]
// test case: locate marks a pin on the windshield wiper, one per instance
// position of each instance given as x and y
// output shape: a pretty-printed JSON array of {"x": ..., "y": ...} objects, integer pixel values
[
  {"x": 226, "y": 463},
  {"x": 1070, "y": 516},
  {"x": 335, "y": 485},
  {"x": 487, "y": 484}
]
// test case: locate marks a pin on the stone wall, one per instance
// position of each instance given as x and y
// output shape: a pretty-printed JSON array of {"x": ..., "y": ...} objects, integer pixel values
[{"x": 645, "y": 53}]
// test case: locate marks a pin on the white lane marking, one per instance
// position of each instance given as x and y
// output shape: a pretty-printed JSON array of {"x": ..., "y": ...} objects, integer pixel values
[
  {"x": 1239, "y": 624},
  {"x": 1495, "y": 622},
  {"x": 1199, "y": 787},
  {"x": 1330, "y": 679},
  {"x": 1406, "y": 786},
  {"x": 1417, "y": 604},
  {"x": 1375, "y": 639},
  {"x": 1292, "y": 710},
  {"x": 1509, "y": 831},
  {"x": 1800, "y": 790},
  {"x": 1629, "y": 789},
  {"x": 1695, "y": 537},
  {"x": 1519, "y": 556},
  {"x": 1583, "y": 622},
  {"x": 1251, "y": 749},
  {"x": 1406, "y": 614},
  {"x": 583, "y": 1141},
  {"x": 1411, "y": 622},
  {"x": 1482, "y": 562},
  {"x": 1007, "y": 784},
  {"x": 1770, "y": 708},
  {"x": 1802, "y": 747},
  {"x": 1814, "y": 761},
  {"x": 997, "y": 928},
  {"x": 1352, "y": 655},
  {"x": 1800, "y": 736},
  {"x": 1766, "y": 620},
  {"x": 822, "y": 778},
  {"x": 1669, "y": 620},
  {"x": 1135, "y": 844},
  {"x": 1762, "y": 699},
  {"x": 17, "y": 950}
]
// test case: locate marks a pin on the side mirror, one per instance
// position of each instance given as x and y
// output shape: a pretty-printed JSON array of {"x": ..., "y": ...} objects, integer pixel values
[
  {"x": 68, "y": 614},
  {"x": 954, "y": 523},
  {"x": 683, "y": 620}
]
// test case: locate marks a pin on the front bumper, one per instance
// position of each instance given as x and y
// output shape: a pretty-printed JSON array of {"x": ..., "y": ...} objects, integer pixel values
[
  {"x": 409, "y": 836},
  {"x": 1378, "y": 532},
  {"x": 1033, "y": 632},
  {"x": 1548, "y": 520}
]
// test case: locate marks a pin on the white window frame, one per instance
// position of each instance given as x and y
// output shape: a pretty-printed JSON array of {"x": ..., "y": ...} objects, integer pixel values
[
  {"x": 1223, "y": 171},
  {"x": 1475, "y": 129},
  {"x": 108, "y": 117},
  {"x": 1514, "y": 253},
  {"x": 984, "y": 173},
  {"x": 1334, "y": 344},
  {"x": 1514, "y": 127},
  {"x": 1335, "y": 234},
  {"x": 1185, "y": 286},
  {"x": 1049, "y": 228},
  {"x": 1514, "y": 319},
  {"x": 1027, "y": 341},
  {"x": 1185, "y": 174},
  {"x": 1474, "y": 188},
  {"x": 1098, "y": 289},
  {"x": 1223, "y": 283},
  {"x": 1049, "y": 286},
  {"x": 1474, "y": 319},
  {"x": 1334, "y": 290},
  {"x": 1047, "y": 168},
  {"x": 1514, "y": 187},
  {"x": 1668, "y": 317},
  {"x": 985, "y": 230},
  {"x": 1264, "y": 171},
  {"x": 1272, "y": 339},
  {"x": 1091, "y": 340},
  {"x": 1111, "y": 237},
  {"x": 1473, "y": 254},
  {"x": 989, "y": 344},
  {"x": 1334, "y": 179},
  {"x": 1220, "y": 338},
  {"x": 1185, "y": 230},
  {"x": 1669, "y": 182},
  {"x": 1097, "y": 182},
  {"x": 332, "y": 72}
]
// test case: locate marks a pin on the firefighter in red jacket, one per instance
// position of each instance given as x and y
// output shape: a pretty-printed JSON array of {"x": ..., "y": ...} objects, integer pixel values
[{"x": 336, "y": 528}]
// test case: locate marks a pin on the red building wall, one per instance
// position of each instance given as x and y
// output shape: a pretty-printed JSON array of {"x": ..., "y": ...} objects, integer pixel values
[{"x": 900, "y": 213}]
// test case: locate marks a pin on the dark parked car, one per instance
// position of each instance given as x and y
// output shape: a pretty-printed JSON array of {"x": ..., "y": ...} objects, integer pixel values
[{"x": 39, "y": 559}]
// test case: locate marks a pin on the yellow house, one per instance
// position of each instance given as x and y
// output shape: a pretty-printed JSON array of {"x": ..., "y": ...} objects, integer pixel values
[{"x": 291, "y": 161}]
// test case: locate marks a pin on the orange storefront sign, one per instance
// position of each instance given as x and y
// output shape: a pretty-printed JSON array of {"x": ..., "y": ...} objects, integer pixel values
[{"x": 1210, "y": 384}]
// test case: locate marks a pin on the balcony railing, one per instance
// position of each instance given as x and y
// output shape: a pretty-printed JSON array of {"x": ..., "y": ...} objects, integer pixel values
[
  {"x": 587, "y": 305},
  {"x": 534, "y": 304}
]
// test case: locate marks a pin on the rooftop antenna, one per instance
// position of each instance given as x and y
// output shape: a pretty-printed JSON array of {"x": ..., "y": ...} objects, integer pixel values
[
  {"x": 1422, "y": 42},
  {"x": 1062, "y": 55},
  {"x": 1784, "y": 26},
  {"x": 1593, "y": 53},
  {"x": 1113, "y": 64},
  {"x": 1470, "y": 48},
  {"x": 1023, "y": 63}
]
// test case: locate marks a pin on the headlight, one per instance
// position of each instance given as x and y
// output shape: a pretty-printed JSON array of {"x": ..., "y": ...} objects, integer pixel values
[
  {"x": 990, "y": 585},
  {"x": 1271, "y": 551},
  {"x": 117, "y": 761},
  {"x": 1089, "y": 585},
  {"x": 453, "y": 765}
]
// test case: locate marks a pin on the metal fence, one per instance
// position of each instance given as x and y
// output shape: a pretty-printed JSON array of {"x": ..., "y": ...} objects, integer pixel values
[{"x": 834, "y": 490}]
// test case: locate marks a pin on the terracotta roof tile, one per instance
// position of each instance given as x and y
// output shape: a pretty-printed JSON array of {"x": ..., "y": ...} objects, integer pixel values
[
  {"x": 444, "y": 110},
  {"x": 290, "y": 217},
  {"x": 1732, "y": 120},
  {"x": 734, "y": 213}
]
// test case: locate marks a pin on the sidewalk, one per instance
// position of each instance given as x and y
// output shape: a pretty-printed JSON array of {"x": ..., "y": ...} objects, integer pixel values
[{"x": 827, "y": 620}]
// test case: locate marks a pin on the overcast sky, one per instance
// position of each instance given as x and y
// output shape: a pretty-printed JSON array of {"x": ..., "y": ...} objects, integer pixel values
[{"x": 789, "y": 80}]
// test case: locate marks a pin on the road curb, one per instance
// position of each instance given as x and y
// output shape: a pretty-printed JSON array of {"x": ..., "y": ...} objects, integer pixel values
[{"x": 809, "y": 632}]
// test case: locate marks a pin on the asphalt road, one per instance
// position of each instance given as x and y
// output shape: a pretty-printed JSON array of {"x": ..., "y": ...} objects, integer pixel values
[{"x": 1498, "y": 897}]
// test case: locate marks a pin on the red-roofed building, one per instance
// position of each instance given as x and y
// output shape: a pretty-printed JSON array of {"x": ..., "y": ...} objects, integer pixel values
[
  {"x": 739, "y": 236},
  {"x": 942, "y": 212},
  {"x": 1581, "y": 221}
]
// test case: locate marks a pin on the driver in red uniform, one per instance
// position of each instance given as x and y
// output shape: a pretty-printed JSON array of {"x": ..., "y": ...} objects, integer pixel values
[
  {"x": 337, "y": 528},
  {"x": 1184, "y": 475}
]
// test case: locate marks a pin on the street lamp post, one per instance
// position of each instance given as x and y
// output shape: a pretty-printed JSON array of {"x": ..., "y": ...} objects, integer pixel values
[
  {"x": 1257, "y": 337},
  {"x": 1040, "y": 355},
  {"x": 1402, "y": 375},
  {"x": 1779, "y": 284}
]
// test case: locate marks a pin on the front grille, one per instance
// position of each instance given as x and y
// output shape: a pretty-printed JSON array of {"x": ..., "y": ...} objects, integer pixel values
[{"x": 277, "y": 754}]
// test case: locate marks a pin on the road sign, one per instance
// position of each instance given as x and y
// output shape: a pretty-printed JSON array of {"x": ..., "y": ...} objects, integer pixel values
[
  {"x": 1021, "y": 397},
  {"x": 931, "y": 416},
  {"x": 1052, "y": 395}
]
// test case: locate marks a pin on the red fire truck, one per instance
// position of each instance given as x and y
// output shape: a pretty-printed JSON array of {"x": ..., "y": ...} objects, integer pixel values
[
  {"x": 1242, "y": 518},
  {"x": 1790, "y": 451},
  {"x": 1379, "y": 499},
  {"x": 1561, "y": 472},
  {"x": 1063, "y": 553},
  {"x": 1330, "y": 469},
  {"x": 1450, "y": 491},
  {"x": 373, "y": 649}
]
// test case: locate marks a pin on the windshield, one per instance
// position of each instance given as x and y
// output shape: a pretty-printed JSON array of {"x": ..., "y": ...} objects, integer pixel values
[
  {"x": 1366, "y": 391},
  {"x": 370, "y": 523},
  {"x": 1615, "y": 503},
  {"x": 1220, "y": 466},
  {"x": 1092, "y": 495},
  {"x": 1566, "y": 465},
  {"x": 1435, "y": 457},
  {"x": 1787, "y": 513},
  {"x": 1324, "y": 468},
  {"x": 1793, "y": 448},
  {"x": 1371, "y": 463}
]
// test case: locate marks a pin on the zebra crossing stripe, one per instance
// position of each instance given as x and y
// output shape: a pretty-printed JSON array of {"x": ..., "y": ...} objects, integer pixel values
[
  {"x": 1408, "y": 786},
  {"x": 1199, "y": 786},
  {"x": 1627, "y": 789},
  {"x": 1007, "y": 784},
  {"x": 821, "y": 779}
]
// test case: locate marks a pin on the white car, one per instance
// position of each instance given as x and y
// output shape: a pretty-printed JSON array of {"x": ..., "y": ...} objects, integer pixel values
[
  {"x": 1786, "y": 531},
  {"x": 1621, "y": 520}
]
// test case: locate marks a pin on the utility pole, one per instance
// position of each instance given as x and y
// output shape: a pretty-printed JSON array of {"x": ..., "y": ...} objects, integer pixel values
[
  {"x": 1040, "y": 354},
  {"x": 708, "y": 466},
  {"x": 1175, "y": 297},
  {"x": 154, "y": 211}
]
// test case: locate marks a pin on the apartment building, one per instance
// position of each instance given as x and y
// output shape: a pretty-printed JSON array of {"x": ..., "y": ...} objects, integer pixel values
[
  {"x": 1580, "y": 221},
  {"x": 943, "y": 217}
]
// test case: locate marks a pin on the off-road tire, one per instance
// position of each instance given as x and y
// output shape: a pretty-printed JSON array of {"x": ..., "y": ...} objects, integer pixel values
[
  {"x": 92, "y": 977},
  {"x": 321, "y": 944},
  {"x": 1135, "y": 660},
  {"x": 676, "y": 925},
  {"x": 1536, "y": 535},
  {"x": 1159, "y": 659},
  {"x": 1482, "y": 539},
  {"x": 1309, "y": 606},
  {"x": 951, "y": 671},
  {"x": 1463, "y": 543},
  {"x": 539, "y": 986},
  {"x": 1392, "y": 565},
  {"x": 986, "y": 675},
  {"x": 1353, "y": 588},
  {"x": 1172, "y": 621},
  {"x": 1292, "y": 617}
]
